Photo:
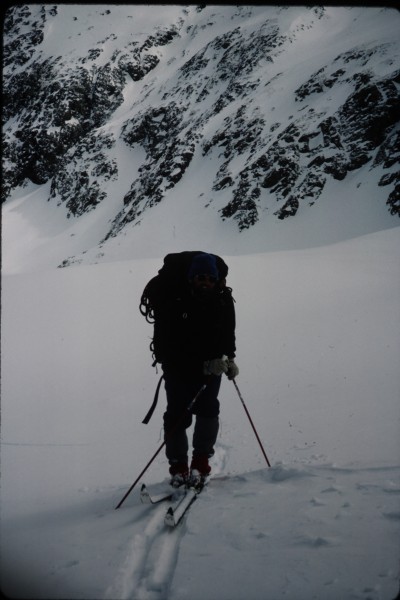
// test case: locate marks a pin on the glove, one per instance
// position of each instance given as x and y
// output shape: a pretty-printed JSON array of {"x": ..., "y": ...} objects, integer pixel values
[
  {"x": 233, "y": 369},
  {"x": 216, "y": 366}
]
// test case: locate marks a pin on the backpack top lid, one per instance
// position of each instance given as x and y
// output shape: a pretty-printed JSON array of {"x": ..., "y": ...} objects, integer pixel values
[{"x": 184, "y": 265}]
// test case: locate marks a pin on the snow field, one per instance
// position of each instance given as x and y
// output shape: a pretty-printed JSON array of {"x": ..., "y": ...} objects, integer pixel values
[{"x": 318, "y": 342}]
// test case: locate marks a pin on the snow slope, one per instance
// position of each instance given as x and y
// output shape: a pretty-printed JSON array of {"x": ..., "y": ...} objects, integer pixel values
[{"x": 318, "y": 345}]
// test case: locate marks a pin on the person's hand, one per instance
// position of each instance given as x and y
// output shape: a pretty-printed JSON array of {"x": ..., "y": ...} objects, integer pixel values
[
  {"x": 233, "y": 369},
  {"x": 216, "y": 366}
]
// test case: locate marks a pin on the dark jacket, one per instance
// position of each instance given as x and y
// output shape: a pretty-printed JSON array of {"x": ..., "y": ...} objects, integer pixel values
[{"x": 189, "y": 330}]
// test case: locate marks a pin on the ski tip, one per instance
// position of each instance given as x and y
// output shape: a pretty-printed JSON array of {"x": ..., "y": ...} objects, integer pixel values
[
  {"x": 169, "y": 518},
  {"x": 144, "y": 495}
]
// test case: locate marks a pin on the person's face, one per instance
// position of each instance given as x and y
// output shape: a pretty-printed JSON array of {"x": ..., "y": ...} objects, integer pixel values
[{"x": 204, "y": 284}]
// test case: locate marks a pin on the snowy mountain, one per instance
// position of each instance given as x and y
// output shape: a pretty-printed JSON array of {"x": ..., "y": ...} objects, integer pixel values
[
  {"x": 268, "y": 135},
  {"x": 232, "y": 118}
]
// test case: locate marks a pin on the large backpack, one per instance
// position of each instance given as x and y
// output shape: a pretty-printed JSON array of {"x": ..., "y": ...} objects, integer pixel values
[
  {"x": 171, "y": 280},
  {"x": 167, "y": 285}
]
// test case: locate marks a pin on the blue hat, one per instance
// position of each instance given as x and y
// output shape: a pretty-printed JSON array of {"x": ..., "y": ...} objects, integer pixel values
[{"x": 203, "y": 264}]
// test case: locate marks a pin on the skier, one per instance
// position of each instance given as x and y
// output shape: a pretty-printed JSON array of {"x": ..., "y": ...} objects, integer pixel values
[{"x": 194, "y": 340}]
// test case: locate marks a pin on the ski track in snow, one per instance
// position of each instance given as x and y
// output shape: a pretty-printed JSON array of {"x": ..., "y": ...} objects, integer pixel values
[
  {"x": 150, "y": 562},
  {"x": 151, "y": 558}
]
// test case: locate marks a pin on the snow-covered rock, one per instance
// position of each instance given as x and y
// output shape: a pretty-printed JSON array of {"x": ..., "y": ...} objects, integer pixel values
[{"x": 281, "y": 100}]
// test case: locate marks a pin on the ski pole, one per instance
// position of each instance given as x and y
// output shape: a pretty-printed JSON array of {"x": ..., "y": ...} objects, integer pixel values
[
  {"x": 251, "y": 422},
  {"x": 169, "y": 433}
]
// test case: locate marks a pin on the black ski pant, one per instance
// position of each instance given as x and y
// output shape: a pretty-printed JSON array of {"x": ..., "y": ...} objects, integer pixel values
[{"x": 180, "y": 390}]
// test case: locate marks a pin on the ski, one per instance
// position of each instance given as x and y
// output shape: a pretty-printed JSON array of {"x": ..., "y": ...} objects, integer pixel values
[
  {"x": 175, "y": 514},
  {"x": 148, "y": 498}
]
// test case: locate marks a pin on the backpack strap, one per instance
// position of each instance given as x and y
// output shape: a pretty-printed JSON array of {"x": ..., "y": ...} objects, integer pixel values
[{"x": 153, "y": 406}]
